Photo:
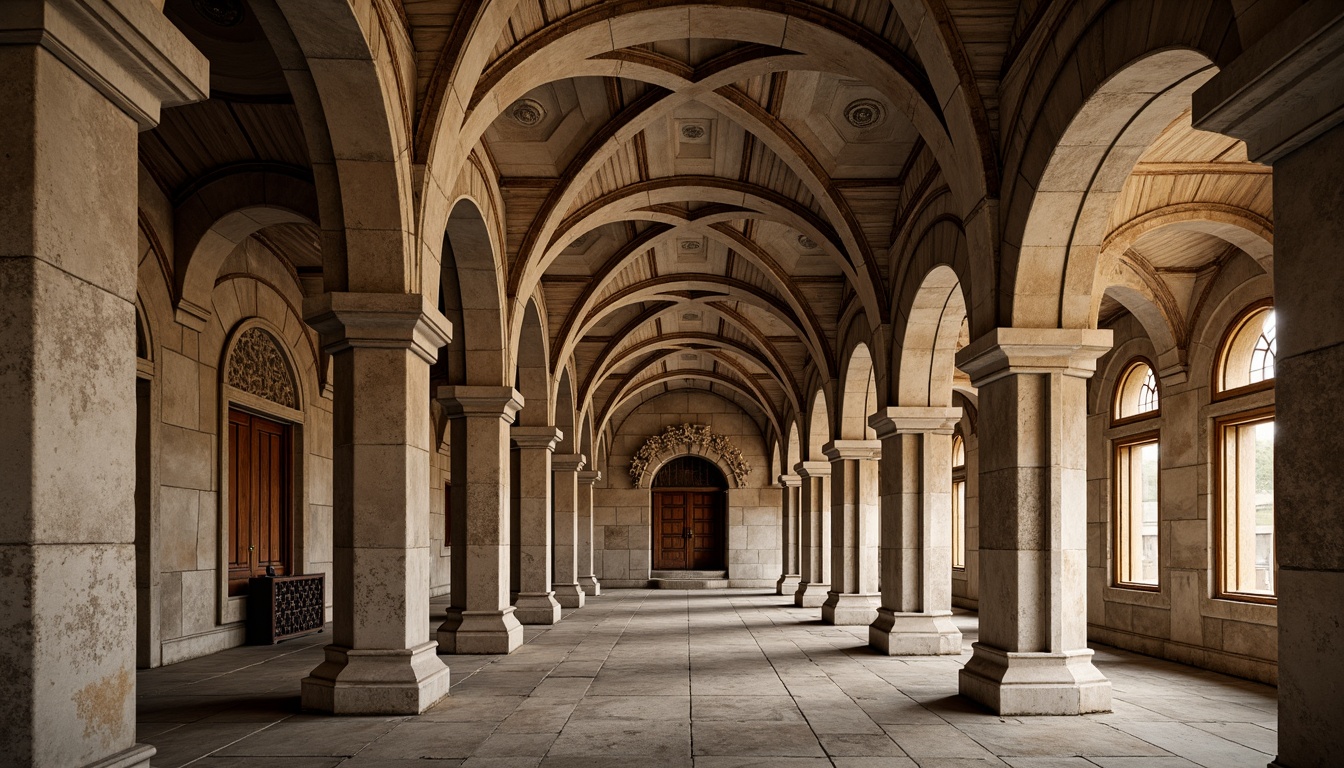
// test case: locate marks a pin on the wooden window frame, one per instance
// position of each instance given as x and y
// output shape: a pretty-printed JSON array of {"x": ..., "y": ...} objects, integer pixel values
[
  {"x": 1118, "y": 551},
  {"x": 1119, "y": 421},
  {"x": 1220, "y": 356},
  {"x": 1220, "y": 425},
  {"x": 958, "y": 476}
]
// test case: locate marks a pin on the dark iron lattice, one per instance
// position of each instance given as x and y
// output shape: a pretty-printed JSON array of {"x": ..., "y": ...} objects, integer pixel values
[{"x": 282, "y": 607}]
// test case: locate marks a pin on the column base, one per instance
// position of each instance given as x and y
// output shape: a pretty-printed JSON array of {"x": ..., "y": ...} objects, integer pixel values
[
  {"x": 810, "y": 595},
  {"x": 849, "y": 609},
  {"x": 787, "y": 584},
  {"x": 136, "y": 757},
  {"x": 914, "y": 634},
  {"x": 537, "y": 608},
  {"x": 353, "y": 681},
  {"x": 1035, "y": 683},
  {"x": 569, "y": 595},
  {"x": 590, "y": 585},
  {"x": 484, "y": 632}
]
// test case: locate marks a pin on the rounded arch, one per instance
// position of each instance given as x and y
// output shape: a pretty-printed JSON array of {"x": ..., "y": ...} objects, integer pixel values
[
  {"x": 818, "y": 425},
  {"x": 1070, "y": 173},
  {"x": 791, "y": 449},
  {"x": 688, "y": 440},
  {"x": 255, "y": 360},
  {"x": 858, "y": 395},
  {"x": 219, "y": 216},
  {"x": 532, "y": 378},
  {"x": 928, "y": 332},
  {"x": 472, "y": 297},
  {"x": 566, "y": 417}
]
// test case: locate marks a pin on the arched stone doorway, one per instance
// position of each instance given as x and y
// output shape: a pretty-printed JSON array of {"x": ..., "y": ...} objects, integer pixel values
[{"x": 690, "y": 516}]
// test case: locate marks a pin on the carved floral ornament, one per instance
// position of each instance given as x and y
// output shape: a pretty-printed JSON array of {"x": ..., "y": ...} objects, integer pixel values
[
  {"x": 257, "y": 367},
  {"x": 689, "y": 435}
]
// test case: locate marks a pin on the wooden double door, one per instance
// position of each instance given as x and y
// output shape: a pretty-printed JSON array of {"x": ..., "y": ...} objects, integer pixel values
[
  {"x": 259, "y": 498},
  {"x": 689, "y": 531}
]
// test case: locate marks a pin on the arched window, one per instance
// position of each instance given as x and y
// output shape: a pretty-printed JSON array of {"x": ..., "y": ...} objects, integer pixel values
[
  {"x": 958, "y": 503},
  {"x": 1246, "y": 358},
  {"x": 1136, "y": 394}
]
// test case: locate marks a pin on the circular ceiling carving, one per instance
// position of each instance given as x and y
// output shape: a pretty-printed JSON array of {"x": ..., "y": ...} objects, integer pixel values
[
  {"x": 865, "y": 113},
  {"x": 527, "y": 112},
  {"x": 225, "y": 13}
]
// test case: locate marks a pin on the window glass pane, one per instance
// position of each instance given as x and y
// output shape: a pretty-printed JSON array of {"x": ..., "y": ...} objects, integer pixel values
[
  {"x": 1247, "y": 518},
  {"x": 959, "y": 524},
  {"x": 1247, "y": 357},
  {"x": 1137, "y": 516},
  {"x": 1136, "y": 393}
]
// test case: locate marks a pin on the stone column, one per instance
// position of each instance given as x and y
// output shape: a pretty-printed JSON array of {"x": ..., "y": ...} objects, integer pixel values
[
  {"x": 916, "y": 480},
  {"x": 814, "y": 540},
  {"x": 1283, "y": 97},
  {"x": 1032, "y": 658},
  {"x": 587, "y": 579},
  {"x": 565, "y": 467},
  {"x": 80, "y": 81},
  {"x": 788, "y": 535},
  {"x": 536, "y": 602},
  {"x": 853, "y": 597},
  {"x": 381, "y": 658},
  {"x": 480, "y": 619}
]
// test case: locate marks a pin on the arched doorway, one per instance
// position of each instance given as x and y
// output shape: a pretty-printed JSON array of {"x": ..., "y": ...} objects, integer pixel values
[{"x": 690, "y": 516}]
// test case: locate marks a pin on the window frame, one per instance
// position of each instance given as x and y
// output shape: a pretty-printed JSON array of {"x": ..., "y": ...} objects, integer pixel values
[
  {"x": 1153, "y": 436},
  {"x": 1117, "y": 391},
  {"x": 1220, "y": 425},
  {"x": 958, "y": 508},
  {"x": 1220, "y": 356}
]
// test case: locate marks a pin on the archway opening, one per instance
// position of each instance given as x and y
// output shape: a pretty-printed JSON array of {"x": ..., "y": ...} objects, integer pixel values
[{"x": 690, "y": 514}]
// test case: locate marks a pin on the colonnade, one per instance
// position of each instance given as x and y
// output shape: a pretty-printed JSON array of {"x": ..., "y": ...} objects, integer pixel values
[{"x": 68, "y": 533}]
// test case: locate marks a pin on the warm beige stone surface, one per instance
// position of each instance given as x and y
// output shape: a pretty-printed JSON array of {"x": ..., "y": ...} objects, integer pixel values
[
  {"x": 814, "y": 541},
  {"x": 536, "y": 603},
  {"x": 568, "y": 590},
  {"x": 853, "y": 597}
]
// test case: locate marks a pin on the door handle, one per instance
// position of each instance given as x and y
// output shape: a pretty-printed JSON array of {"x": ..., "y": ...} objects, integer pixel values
[{"x": 685, "y": 533}]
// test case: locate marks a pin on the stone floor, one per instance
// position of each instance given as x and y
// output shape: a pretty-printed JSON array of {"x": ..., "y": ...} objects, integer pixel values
[{"x": 711, "y": 679}]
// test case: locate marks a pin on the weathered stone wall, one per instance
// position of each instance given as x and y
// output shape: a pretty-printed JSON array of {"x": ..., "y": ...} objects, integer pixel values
[
  {"x": 622, "y": 514},
  {"x": 186, "y": 611},
  {"x": 1182, "y": 620}
]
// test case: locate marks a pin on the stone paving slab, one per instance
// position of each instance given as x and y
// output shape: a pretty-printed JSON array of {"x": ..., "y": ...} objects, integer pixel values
[{"x": 720, "y": 679}]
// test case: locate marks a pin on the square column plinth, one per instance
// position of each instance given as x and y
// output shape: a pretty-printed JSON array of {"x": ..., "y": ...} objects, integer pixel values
[
  {"x": 1032, "y": 658},
  {"x": 480, "y": 619},
  {"x": 916, "y": 538},
  {"x": 381, "y": 659},
  {"x": 814, "y": 537}
]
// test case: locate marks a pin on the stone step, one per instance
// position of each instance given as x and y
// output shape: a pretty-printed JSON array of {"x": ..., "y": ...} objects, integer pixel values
[
  {"x": 688, "y": 574},
  {"x": 690, "y": 583}
]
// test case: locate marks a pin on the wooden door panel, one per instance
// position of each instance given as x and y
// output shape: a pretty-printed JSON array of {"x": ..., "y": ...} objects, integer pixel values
[
  {"x": 707, "y": 538},
  {"x": 700, "y": 513},
  {"x": 258, "y": 526}
]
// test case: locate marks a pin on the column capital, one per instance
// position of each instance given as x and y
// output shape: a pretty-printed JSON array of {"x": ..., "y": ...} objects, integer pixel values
[
  {"x": 129, "y": 51},
  {"x": 568, "y": 462},
  {"x": 590, "y": 477},
  {"x": 460, "y": 401},
  {"x": 790, "y": 481},
  {"x": 906, "y": 420},
  {"x": 1282, "y": 91},
  {"x": 1006, "y": 351},
  {"x": 546, "y": 437},
  {"x": 378, "y": 321},
  {"x": 856, "y": 450},
  {"x": 806, "y": 469}
]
